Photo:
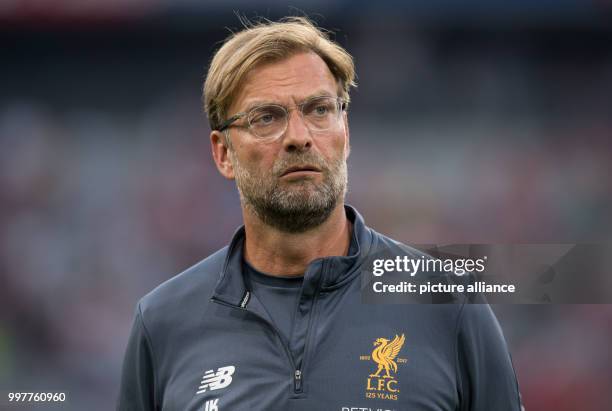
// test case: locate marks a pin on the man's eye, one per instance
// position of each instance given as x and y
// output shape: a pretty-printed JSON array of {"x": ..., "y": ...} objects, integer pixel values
[
  {"x": 319, "y": 109},
  {"x": 264, "y": 118}
]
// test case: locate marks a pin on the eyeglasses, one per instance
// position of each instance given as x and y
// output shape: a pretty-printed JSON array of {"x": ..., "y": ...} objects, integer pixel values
[{"x": 269, "y": 121}]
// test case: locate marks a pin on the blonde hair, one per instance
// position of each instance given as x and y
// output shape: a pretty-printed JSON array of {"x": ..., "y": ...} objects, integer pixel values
[{"x": 264, "y": 42}]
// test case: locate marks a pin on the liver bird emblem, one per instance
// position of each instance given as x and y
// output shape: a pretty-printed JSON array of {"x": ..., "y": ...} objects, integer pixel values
[{"x": 384, "y": 354}]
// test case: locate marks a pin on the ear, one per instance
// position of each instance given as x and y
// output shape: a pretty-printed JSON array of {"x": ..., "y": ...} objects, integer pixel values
[
  {"x": 347, "y": 141},
  {"x": 220, "y": 153}
]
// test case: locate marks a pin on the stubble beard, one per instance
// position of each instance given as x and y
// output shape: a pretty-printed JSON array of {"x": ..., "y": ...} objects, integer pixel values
[{"x": 292, "y": 206}]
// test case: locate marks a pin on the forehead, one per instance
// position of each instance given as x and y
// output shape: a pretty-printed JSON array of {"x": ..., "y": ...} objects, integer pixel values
[{"x": 287, "y": 81}]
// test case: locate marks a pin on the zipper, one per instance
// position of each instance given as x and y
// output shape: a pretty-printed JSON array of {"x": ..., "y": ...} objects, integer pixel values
[
  {"x": 297, "y": 381},
  {"x": 297, "y": 375}
]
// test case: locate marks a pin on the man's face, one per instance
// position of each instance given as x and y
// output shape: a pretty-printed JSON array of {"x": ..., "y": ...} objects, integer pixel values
[{"x": 292, "y": 183}]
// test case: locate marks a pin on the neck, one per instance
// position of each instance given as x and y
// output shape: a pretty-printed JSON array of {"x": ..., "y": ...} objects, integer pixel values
[{"x": 275, "y": 252}]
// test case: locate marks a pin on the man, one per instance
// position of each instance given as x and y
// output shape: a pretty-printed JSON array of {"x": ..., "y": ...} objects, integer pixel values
[{"x": 275, "y": 320}]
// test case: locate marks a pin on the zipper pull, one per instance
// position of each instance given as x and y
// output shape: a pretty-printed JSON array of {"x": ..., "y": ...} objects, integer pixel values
[
  {"x": 297, "y": 381},
  {"x": 245, "y": 299}
]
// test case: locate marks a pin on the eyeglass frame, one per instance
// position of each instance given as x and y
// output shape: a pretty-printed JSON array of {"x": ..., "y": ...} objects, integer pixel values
[{"x": 342, "y": 105}]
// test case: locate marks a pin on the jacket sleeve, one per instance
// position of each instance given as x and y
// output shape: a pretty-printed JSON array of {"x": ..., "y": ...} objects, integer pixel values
[
  {"x": 137, "y": 390},
  {"x": 485, "y": 373}
]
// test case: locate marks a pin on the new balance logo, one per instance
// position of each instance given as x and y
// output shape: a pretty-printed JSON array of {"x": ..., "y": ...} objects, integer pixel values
[
  {"x": 211, "y": 405},
  {"x": 216, "y": 380}
]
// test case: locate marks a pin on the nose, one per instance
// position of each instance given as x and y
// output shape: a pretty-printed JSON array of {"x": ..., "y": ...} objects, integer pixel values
[{"x": 297, "y": 136}]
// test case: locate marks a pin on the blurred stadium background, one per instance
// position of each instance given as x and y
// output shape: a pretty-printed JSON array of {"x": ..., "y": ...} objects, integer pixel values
[{"x": 474, "y": 121}]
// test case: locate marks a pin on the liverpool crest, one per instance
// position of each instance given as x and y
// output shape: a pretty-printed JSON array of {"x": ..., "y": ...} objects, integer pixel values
[{"x": 382, "y": 382}]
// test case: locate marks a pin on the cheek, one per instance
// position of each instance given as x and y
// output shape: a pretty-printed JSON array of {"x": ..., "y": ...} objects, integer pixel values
[
  {"x": 336, "y": 146},
  {"x": 253, "y": 157}
]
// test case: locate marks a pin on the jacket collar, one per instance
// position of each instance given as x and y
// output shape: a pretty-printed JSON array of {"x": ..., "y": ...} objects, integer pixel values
[{"x": 336, "y": 270}]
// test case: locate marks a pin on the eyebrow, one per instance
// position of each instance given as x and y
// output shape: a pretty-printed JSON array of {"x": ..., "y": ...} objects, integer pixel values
[{"x": 259, "y": 103}]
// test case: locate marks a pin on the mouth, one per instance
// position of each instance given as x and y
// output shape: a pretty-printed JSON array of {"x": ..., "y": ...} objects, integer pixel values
[{"x": 300, "y": 170}]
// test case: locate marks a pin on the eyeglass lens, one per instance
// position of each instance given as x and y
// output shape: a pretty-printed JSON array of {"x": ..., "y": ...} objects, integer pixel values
[{"x": 319, "y": 114}]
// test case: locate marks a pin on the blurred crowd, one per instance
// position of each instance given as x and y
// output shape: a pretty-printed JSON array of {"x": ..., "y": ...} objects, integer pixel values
[{"x": 455, "y": 139}]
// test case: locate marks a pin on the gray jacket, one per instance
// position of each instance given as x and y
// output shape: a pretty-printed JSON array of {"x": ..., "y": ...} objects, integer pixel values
[{"x": 201, "y": 341}]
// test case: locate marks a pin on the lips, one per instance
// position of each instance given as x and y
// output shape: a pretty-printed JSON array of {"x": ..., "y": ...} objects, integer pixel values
[{"x": 300, "y": 168}]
